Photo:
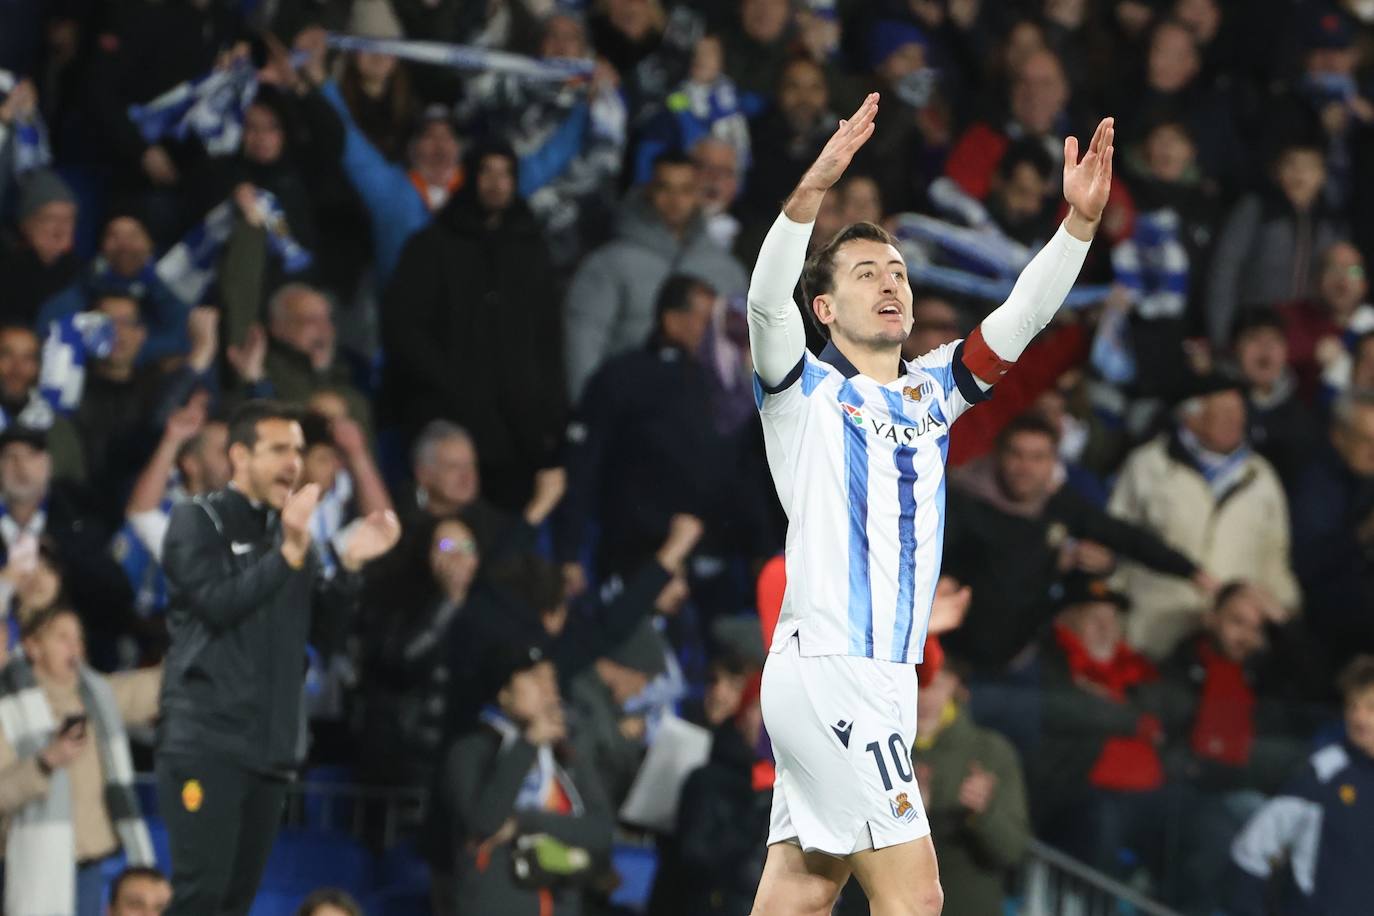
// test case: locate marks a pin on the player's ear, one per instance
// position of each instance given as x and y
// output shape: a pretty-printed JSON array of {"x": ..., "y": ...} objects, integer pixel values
[{"x": 824, "y": 309}]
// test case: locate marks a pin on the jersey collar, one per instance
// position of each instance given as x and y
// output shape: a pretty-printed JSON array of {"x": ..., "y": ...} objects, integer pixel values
[{"x": 832, "y": 355}]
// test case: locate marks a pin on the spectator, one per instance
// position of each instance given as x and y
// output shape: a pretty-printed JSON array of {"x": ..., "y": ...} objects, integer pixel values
[
  {"x": 39, "y": 263},
  {"x": 974, "y": 795},
  {"x": 647, "y": 414},
  {"x": 1099, "y": 773},
  {"x": 934, "y": 323},
  {"x": 1320, "y": 824},
  {"x": 787, "y": 137},
  {"x": 610, "y": 305},
  {"x": 612, "y": 719},
  {"x": 376, "y": 87},
  {"x": 191, "y": 459},
  {"x": 407, "y": 676},
  {"x": 399, "y": 199},
  {"x": 1279, "y": 425},
  {"x": 126, "y": 267},
  {"x": 1333, "y": 530},
  {"x": 338, "y": 462},
  {"x": 1201, "y": 490},
  {"x": 721, "y": 170},
  {"x": 124, "y": 406},
  {"x": 1266, "y": 249},
  {"x": 329, "y": 901},
  {"x": 302, "y": 355},
  {"x": 36, "y": 508},
  {"x": 1014, "y": 530},
  {"x": 1236, "y": 689},
  {"x": 757, "y": 47},
  {"x": 68, "y": 801},
  {"x": 1021, "y": 199},
  {"x": 1321, "y": 331},
  {"x": 722, "y": 821},
  {"x": 22, "y": 404},
  {"x": 473, "y": 281},
  {"x": 139, "y": 890},
  {"x": 532, "y": 827},
  {"x": 447, "y": 475},
  {"x": 571, "y": 143}
]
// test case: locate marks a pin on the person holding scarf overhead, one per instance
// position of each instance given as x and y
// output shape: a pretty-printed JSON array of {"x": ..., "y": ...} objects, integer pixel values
[{"x": 531, "y": 826}]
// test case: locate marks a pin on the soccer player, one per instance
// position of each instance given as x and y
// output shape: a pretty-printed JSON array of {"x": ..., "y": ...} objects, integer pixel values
[{"x": 856, "y": 443}]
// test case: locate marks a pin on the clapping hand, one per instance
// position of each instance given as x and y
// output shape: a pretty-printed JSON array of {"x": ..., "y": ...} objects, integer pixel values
[
  {"x": 1087, "y": 184},
  {"x": 295, "y": 523}
]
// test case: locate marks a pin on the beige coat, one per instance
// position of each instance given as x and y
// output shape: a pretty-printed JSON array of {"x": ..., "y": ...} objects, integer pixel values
[
  {"x": 21, "y": 781},
  {"x": 1243, "y": 537}
]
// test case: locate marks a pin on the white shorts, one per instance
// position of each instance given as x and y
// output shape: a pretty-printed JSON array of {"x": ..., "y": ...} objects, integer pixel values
[{"x": 842, "y": 730}]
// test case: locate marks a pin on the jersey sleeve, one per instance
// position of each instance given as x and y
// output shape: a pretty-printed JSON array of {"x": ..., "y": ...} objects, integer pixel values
[{"x": 950, "y": 369}]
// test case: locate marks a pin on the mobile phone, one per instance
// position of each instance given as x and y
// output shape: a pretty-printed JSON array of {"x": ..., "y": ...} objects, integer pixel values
[{"x": 74, "y": 726}]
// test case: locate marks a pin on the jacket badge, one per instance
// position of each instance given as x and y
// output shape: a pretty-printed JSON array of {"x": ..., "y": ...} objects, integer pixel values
[{"x": 192, "y": 795}]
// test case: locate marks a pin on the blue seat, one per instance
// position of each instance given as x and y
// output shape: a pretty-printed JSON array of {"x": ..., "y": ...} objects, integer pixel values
[
  {"x": 403, "y": 868},
  {"x": 303, "y": 860},
  {"x": 276, "y": 903},
  {"x": 324, "y": 811},
  {"x": 636, "y": 866}
]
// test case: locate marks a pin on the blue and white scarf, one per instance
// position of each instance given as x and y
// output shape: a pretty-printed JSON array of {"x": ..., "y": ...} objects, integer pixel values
[
  {"x": 189, "y": 267},
  {"x": 31, "y": 150},
  {"x": 1153, "y": 265},
  {"x": 211, "y": 107},
  {"x": 1221, "y": 471},
  {"x": 468, "y": 57},
  {"x": 534, "y": 788},
  {"x": 71, "y": 343}
]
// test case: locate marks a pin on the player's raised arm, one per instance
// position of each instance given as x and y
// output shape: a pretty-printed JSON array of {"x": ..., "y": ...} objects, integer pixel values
[
  {"x": 1040, "y": 290},
  {"x": 777, "y": 336}
]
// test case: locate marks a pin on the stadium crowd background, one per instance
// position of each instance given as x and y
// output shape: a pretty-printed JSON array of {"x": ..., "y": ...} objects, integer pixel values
[{"x": 513, "y": 308}]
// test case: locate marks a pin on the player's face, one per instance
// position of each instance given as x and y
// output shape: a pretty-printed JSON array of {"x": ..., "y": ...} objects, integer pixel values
[
  {"x": 1026, "y": 465},
  {"x": 1359, "y": 720},
  {"x": 1263, "y": 354},
  {"x": 871, "y": 302},
  {"x": 268, "y": 472},
  {"x": 1238, "y": 627}
]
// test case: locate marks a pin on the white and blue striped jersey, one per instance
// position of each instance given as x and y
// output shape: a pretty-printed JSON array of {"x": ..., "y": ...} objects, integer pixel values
[{"x": 860, "y": 470}]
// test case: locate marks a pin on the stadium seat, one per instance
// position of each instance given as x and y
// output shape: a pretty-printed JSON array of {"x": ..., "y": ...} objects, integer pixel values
[
  {"x": 303, "y": 860},
  {"x": 636, "y": 866},
  {"x": 403, "y": 868}
]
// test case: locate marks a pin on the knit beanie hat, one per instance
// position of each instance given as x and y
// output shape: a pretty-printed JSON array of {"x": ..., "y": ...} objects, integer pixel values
[{"x": 40, "y": 188}]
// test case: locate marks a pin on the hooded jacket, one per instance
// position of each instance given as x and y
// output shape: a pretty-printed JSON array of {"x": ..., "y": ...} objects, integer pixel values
[{"x": 610, "y": 306}]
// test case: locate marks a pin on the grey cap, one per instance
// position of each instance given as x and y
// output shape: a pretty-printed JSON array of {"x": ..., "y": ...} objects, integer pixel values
[
  {"x": 642, "y": 651},
  {"x": 40, "y": 188}
]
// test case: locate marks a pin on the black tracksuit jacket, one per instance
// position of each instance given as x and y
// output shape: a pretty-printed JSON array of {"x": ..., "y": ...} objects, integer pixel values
[{"x": 239, "y": 618}]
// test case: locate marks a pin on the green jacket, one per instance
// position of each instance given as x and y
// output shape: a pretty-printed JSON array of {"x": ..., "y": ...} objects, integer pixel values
[
  {"x": 295, "y": 380},
  {"x": 977, "y": 852}
]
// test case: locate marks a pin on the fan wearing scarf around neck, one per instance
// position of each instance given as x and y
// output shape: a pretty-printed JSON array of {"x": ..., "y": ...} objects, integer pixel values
[
  {"x": 67, "y": 801},
  {"x": 530, "y": 824}
]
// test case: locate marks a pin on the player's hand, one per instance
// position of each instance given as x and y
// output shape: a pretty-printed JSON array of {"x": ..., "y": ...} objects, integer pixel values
[
  {"x": 839, "y": 150},
  {"x": 1088, "y": 183},
  {"x": 977, "y": 789},
  {"x": 950, "y": 606},
  {"x": 374, "y": 536}
]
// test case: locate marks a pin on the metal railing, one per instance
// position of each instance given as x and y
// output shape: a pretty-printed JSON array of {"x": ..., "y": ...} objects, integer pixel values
[{"x": 1054, "y": 884}]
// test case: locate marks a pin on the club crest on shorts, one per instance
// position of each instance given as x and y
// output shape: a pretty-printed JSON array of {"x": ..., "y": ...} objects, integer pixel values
[
  {"x": 902, "y": 808},
  {"x": 192, "y": 795}
]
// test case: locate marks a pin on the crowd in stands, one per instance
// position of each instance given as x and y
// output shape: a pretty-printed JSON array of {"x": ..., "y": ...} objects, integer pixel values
[{"x": 512, "y": 307}]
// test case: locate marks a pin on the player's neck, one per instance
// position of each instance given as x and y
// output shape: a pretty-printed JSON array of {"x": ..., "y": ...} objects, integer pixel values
[{"x": 882, "y": 364}]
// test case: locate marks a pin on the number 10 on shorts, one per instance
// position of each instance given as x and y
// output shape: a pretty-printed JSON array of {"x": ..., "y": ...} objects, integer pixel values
[{"x": 902, "y": 809}]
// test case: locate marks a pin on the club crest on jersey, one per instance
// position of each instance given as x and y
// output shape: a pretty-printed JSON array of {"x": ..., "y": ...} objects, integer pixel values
[
  {"x": 902, "y": 808},
  {"x": 856, "y": 416},
  {"x": 916, "y": 392}
]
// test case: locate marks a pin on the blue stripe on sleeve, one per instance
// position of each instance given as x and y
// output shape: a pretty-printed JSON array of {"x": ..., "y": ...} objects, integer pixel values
[
  {"x": 856, "y": 476},
  {"x": 904, "y": 457}
]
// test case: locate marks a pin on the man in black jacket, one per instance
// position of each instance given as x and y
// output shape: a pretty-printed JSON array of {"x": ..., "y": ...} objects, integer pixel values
[
  {"x": 242, "y": 584},
  {"x": 1014, "y": 531}
]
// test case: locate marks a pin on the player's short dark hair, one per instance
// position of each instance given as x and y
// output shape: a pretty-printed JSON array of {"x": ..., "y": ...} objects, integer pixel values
[
  {"x": 673, "y": 157},
  {"x": 675, "y": 295},
  {"x": 133, "y": 873},
  {"x": 329, "y": 896},
  {"x": 818, "y": 274},
  {"x": 1027, "y": 423},
  {"x": 1357, "y": 677},
  {"x": 243, "y": 423}
]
